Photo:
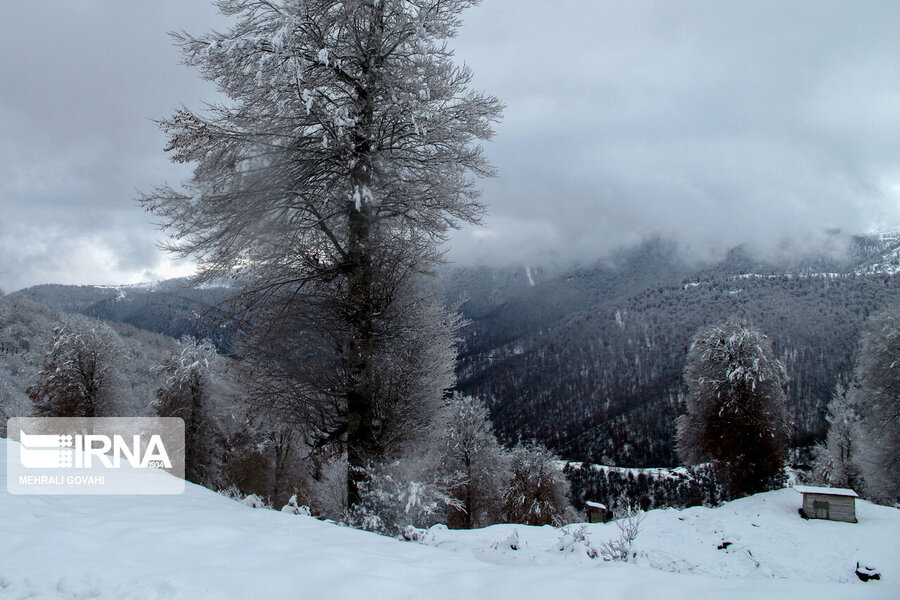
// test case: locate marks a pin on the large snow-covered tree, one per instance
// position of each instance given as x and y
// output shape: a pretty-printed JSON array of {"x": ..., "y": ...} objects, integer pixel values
[
  {"x": 79, "y": 377},
  {"x": 348, "y": 148},
  {"x": 736, "y": 414},
  {"x": 877, "y": 400},
  {"x": 415, "y": 358}
]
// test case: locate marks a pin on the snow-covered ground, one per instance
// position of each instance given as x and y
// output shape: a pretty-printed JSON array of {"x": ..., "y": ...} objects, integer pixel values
[{"x": 203, "y": 545}]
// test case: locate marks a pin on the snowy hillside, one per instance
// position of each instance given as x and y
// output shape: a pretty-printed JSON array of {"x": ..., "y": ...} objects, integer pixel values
[{"x": 203, "y": 545}]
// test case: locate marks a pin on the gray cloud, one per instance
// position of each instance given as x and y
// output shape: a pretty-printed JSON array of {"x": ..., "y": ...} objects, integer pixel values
[
  {"x": 713, "y": 123},
  {"x": 710, "y": 122},
  {"x": 81, "y": 83}
]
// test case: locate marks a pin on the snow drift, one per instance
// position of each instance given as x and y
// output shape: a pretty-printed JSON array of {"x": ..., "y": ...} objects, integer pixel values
[{"x": 203, "y": 545}]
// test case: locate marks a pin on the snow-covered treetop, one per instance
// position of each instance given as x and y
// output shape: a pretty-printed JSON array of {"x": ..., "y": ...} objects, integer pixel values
[
  {"x": 735, "y": 354},
  {"x": 358, "y": 103}
]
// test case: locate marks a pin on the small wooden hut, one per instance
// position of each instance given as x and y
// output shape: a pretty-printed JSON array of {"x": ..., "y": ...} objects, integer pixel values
[
  {"x": 597, "y": 513},
  {"x": 834, "y": 504}
]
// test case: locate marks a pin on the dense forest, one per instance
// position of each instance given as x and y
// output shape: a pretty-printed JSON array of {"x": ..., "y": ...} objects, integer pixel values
[
  {"x": 589, "y": 360},
  {"x": 590, "y": 363}
]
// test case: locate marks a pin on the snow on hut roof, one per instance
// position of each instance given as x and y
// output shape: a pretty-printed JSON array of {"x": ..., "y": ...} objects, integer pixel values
[
  {"x": 805, "y": 489},
  {"x": 595, "y": 505}
]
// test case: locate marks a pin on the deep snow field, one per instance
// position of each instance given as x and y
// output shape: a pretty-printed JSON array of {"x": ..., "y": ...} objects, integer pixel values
[{"x": 204, "y": 545}]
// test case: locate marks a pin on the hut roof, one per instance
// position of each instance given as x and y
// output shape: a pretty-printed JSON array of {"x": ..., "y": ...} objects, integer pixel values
[{"x": 805, "y": 489}]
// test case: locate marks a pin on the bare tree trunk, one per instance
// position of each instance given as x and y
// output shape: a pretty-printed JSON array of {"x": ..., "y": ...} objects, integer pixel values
[
  {"x": 281, "y": 440},
  {"x": 468, "y": 507},
  {"x": 193, "y": 470},
  {"x": 361, "y": 391},
  {"x": 361, "y": 343}
]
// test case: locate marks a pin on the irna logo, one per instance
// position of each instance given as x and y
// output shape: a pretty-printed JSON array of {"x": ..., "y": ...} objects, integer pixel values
[
  {"x": 42, "y": 451},
  {"x": 102, "y": 455}
]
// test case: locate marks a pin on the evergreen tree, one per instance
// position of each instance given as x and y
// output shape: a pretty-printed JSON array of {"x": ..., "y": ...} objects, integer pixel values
[
  {"x": 736, "y": 413},
  {"x": 325, "y": 186}
]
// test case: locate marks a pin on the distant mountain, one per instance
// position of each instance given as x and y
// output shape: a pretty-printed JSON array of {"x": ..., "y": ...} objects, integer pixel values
[
  {"x": 484, "y": 288},
  {"x": 589, "y": 360},
  {"x": 546, "y": 303},
  {"x": 171, "y": 308}
]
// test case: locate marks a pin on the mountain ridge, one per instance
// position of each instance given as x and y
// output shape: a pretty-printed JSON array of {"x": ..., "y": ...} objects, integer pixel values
[{"x": 589, "y": 359}]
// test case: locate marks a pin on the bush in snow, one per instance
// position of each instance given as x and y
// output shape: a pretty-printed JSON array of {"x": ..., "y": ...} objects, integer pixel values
[
  {"x": 736, "y": 413},
  {"x": 510, "y": 543},
  {"x": 293, "y": 508},
  {"x": 400, "y": 494},
  {"x": 413, "y": 534},
  {"x": 251, "y": 500},
  {"x": 254, "y": 501},
  {"x": 628, "y": 522},
  {"x": 574, "y": 540},
  {"x": 538, "y": 493}
]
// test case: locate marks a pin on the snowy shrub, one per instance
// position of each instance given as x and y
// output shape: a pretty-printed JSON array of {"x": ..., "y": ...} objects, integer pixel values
[
  {"x": 628, "y": 523},
  {"x": 510, "y": 543},
  {"x": 573, "y": 539},
  {"x": 251, "y": 500},
  {"x": 401, "y": 494},
  {"x": 413, "y": 534},
  {"x": 254, "y": 501},
  {"x": 293, "y": 508}
]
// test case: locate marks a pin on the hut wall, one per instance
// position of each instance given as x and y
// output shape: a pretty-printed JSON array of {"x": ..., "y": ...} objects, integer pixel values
[{"x": 840, "y": 508}]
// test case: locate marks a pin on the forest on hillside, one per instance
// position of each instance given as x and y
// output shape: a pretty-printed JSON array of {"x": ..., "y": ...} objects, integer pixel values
[{"x": 606, "y": 385}]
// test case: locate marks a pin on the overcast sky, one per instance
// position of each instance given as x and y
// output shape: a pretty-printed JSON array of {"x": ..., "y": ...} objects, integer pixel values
[{"x": 713, "y": 123}]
